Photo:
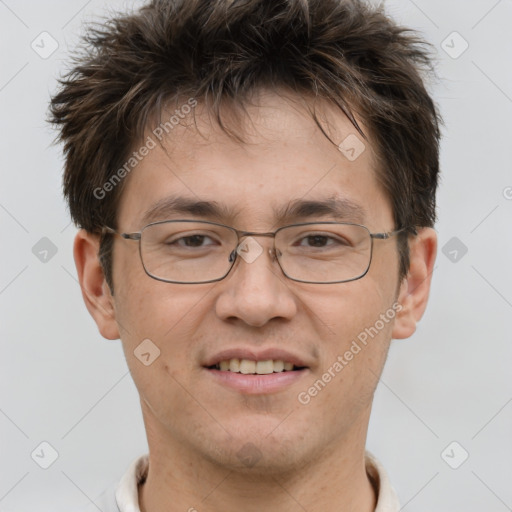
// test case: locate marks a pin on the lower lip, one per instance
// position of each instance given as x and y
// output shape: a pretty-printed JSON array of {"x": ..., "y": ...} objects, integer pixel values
[{"x": 257, "y": 384}]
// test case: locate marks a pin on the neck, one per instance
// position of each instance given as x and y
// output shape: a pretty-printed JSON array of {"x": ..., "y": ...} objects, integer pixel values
[{"x": 181, "y": 479}]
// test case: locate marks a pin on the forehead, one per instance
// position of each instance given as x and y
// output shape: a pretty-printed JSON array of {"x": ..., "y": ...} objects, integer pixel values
[{"x": 285, "y": 169}]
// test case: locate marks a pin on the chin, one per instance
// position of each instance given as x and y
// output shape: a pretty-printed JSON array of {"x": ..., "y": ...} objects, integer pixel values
[
  {"x": 256, "y": 452},
  {"x": 251, "y": 459}
]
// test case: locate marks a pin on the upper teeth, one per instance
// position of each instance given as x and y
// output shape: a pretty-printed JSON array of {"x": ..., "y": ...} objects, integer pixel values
[{"x": 259, "y": 367}]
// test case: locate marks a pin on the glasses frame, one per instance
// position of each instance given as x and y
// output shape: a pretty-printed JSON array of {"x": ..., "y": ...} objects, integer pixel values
[{"x": 137, "y": 236}]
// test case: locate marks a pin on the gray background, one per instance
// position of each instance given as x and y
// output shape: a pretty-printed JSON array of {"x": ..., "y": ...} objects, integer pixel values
[{"x": 63, "y": 384}]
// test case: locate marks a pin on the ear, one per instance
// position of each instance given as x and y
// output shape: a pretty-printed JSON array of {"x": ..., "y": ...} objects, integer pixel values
[
  {"x": 415, "y": 288},
  {"x": 95, "y": 291}
]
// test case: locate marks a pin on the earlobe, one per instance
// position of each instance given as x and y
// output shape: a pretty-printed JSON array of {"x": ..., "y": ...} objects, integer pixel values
[
  {"x": 95, "y": 290},
  {"x": 415, "y": 288}
]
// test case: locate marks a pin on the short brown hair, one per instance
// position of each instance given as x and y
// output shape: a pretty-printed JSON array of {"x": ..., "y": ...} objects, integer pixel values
[{"x": 219, "y": 51}]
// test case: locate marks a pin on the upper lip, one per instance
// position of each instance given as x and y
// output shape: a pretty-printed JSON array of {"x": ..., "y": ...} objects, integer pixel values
[{"x": 262, "y": 355}]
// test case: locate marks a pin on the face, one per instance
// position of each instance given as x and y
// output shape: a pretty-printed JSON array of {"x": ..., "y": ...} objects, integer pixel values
[{"x": 256, "y": 310}]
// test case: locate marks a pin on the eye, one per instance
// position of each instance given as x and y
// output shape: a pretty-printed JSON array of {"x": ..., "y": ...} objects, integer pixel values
[
  {"x": 194, "y": 240},
  {"x": 320, "y": 241}
]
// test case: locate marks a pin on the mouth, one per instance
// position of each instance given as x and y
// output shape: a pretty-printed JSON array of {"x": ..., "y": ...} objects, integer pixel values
[
  {"x": 251, "y": 367},
  {"x": 250, "y": 373}
]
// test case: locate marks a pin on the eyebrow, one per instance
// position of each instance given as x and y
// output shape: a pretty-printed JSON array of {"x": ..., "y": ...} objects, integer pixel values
[{"x": 341, "y": 209}]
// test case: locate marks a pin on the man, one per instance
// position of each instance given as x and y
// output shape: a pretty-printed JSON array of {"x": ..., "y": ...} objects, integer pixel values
[{"x": 255, "y": 186}]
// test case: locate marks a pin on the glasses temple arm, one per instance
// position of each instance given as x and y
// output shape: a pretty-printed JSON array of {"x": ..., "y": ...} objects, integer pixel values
[
  {"x": 127, "y": 236},
  {"x": 389, "y": 234}
]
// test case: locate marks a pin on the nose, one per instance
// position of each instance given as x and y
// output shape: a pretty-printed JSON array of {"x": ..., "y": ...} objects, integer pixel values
[{"x": 256, "y": 290}]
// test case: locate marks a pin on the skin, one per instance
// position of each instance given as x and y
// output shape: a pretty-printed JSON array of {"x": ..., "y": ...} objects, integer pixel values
[{"x": 311, "y": 456}]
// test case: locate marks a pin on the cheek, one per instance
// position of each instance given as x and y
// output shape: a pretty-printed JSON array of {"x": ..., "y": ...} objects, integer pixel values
[
  {"x": 165, "y": 317},
  {"x": 356, "y": 343},
  {"x": 145, "y": 307},
  {"x": 353, "y": 308},
  {"x": 164, "y": 320},
  {"x": 156, "y": 334}
]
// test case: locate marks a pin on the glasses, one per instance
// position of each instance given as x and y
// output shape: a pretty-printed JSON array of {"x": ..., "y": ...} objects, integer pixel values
[{"x": 193, "y": 252}]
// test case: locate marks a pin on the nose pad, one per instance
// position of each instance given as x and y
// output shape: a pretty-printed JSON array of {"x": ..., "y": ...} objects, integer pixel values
[{"x": 275, "y": 253}]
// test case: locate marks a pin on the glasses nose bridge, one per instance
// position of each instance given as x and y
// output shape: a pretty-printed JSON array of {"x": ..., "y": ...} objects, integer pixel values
[{"x": 244, "y": 234}]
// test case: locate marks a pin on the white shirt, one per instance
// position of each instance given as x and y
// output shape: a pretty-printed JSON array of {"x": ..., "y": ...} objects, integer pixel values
[{"x": 124, "y": 497}]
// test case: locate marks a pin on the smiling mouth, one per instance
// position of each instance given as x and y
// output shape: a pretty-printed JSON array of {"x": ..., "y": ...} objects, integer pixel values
[{"x": 250, "y": 367}]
